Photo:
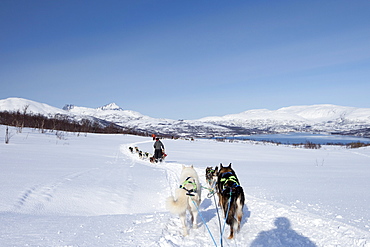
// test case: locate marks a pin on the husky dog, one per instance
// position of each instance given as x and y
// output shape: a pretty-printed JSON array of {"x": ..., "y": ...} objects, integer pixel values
[
  {"x": 131, "y": 149},
  {"x": 187, "y": 197},
  {"x": 230, "y": 192},
  {"x": 211, "y": 176}
]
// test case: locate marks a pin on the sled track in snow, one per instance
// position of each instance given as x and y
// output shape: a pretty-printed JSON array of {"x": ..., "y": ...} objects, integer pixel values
[
  {"x": 265, "y": 223},
  {"x": 36, "y": 197}
]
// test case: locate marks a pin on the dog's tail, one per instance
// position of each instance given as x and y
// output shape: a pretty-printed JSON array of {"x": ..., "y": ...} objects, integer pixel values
[{"x": 178, "y": 205}]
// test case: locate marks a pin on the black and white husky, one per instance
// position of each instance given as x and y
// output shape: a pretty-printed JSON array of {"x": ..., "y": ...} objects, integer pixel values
[
  {"x": 231, "y": 197},
  {"x": 187, "y": 197}
]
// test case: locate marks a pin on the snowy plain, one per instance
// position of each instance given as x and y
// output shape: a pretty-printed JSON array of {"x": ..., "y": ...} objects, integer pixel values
[{"x": 89, "y": 190}]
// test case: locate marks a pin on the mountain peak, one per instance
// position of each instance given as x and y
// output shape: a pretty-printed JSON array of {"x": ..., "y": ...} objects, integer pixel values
[
  {"x": 111, "y": 106},
  {"x": 68, "y": 107}
]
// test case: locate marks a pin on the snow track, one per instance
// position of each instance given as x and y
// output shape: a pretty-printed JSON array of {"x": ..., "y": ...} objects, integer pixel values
[{"x": 37, "y": 198}]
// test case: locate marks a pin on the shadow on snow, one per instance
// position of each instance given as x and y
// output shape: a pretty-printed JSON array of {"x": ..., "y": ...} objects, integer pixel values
[{"x": 282, "y": 235}]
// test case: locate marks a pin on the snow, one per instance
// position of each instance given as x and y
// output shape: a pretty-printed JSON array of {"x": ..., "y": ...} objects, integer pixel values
[
  {"x": 15, "y": 104},
  {"x": 89, "y": 190},
  {"x": 308, "y": 114},
  {"x": 110, "y": 112},
  {"x": 320, "y": 113},
  {"x": 111, "y": 106},
  {"x": 256, "y": 115}
]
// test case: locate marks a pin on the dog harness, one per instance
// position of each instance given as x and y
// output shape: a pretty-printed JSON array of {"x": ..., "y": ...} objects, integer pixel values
[
  {"x": 189, "y": 192},
  {"x": 231, "y": 178},
  {"x": 211, "y": 171}
]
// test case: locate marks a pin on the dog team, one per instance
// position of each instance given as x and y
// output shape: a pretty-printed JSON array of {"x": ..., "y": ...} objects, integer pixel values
[
  {"x": 188, "y": 196},
  {"x": 147, "y": 156}
]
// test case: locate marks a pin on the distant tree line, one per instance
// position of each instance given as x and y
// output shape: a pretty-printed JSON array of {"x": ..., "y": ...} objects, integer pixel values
[{"x": 60, "y": 122}]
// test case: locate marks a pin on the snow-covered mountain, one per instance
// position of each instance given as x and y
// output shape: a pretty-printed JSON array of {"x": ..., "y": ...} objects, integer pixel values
[
  {"x": 29, "y": 106},
  {"x": 110, "y": 112},
  {"x": 125, "y": 118},
  {"x": 328, "y": 118}
]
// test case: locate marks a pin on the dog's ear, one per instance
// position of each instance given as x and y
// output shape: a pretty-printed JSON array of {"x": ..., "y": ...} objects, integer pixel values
[
  {"x": 216, "y": 172},
  {"x": 229, "y": 165},
  {"x": 221, "y": 165}
]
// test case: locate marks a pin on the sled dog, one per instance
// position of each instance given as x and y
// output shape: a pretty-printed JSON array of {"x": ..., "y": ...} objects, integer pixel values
[
  {"x": 211, "y": 176},
  {"x": 187, "y": 197},
  {"x": 230, "y": 191}
]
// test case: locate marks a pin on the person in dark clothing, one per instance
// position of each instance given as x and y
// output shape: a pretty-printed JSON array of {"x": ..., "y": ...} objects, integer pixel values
[{"x": 158, "y": 150}]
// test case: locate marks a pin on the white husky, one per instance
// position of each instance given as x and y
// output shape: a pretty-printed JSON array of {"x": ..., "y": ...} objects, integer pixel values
[{"x": 186, "y": 197}]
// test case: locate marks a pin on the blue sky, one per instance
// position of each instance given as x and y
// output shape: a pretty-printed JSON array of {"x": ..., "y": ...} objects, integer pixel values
[{"x": 186, "y": 59}]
